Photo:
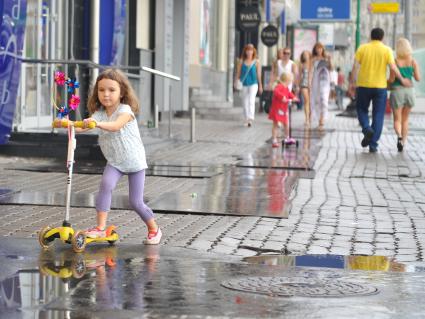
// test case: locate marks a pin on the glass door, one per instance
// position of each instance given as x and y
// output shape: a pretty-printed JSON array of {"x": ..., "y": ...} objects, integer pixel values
[{"x": 36, "y": 110}]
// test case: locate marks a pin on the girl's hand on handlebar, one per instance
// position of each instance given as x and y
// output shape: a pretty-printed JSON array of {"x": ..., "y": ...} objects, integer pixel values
[{"x": 90, "y": 123}]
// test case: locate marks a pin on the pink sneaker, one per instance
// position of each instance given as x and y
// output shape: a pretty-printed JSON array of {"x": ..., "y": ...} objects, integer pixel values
[
  {"x": 95, "y": 232},
  {"x": 289, "y": 141},
  {"x": 275, "y": 144},
  {"x": 154, "y": 238}
]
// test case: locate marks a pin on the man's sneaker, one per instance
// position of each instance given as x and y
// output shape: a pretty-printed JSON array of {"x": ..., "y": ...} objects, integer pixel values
[
  {"x": 95, "y": 232},
  {"x": 154, "y": 237},
  {"x": 367, "y": 137},
  {"x": 372, "y": 149}
]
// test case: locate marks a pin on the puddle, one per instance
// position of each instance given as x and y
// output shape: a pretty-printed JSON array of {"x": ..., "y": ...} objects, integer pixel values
[
  {"x": 138, "y": 281},
  {"x": 368, "y": 263}
]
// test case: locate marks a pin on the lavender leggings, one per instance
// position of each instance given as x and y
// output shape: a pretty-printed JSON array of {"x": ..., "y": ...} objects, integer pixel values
[{"x": 136, "y": 182}]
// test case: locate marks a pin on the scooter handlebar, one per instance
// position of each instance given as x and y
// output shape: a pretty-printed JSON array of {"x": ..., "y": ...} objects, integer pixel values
[{"x": 64, "y": 123}]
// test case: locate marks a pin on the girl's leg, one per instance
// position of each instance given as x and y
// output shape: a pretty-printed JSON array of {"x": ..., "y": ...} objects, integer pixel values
[
  {"x": 110, "y": 178},
  {"x": 253, "y": 89},
  {"x": 405, "y": 122},
  {"x": 397, "y": 120},
  {"x": 136, "y": 182},
  {"x": 275, "y": 131},
  {"x": 306, "y": 97},
  {"x": 286, "y": 129},
  {"x": 245, "y": 101}
]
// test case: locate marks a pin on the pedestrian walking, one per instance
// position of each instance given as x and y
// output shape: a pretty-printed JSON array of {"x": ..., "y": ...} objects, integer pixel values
[
  {"x": 249, "y": 73},
  {"x": 402, "y": 99},
  {"x": 304, "y": 85},
  {"x": 320, "y": 85},
  {"x": 112, "y": 105},
  {"x": 283, "y": 63},
  {"x": 340, "y": 89},
  {"x": 371, "y": 61},
  {"x": 279, "y": 110}
]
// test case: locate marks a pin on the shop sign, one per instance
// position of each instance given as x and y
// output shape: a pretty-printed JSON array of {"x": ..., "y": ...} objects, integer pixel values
[
  {"x": 270, "y": 35},
  {"x": 249, "y": 19}
]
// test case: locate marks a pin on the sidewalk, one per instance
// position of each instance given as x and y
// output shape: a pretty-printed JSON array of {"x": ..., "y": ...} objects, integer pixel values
[{"x": 357, "y": 203}]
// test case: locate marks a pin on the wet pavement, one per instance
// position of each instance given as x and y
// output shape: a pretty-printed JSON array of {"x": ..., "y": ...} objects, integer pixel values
[
  {"x": 259, "y": 184},
  {"x": 134, "y": 281}
]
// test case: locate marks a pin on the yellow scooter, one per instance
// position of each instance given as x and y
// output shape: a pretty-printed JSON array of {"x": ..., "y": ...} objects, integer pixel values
[{"x": 66, "y": 233}]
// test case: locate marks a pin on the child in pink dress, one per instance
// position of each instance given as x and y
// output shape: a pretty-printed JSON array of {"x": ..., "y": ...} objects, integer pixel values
[{"x": 279, "y": 109}]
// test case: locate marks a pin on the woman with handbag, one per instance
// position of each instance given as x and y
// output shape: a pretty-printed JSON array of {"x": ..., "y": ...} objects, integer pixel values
[{"x": 248, "y": 81}]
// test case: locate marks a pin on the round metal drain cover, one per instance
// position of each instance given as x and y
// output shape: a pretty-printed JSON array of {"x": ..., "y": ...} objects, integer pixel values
[{"x": 300, "y": 287}]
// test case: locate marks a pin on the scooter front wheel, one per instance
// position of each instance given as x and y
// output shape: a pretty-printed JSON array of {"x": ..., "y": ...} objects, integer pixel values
[
  {"x": 45, "y": 242},
  {"x": 79, "y": 242}
]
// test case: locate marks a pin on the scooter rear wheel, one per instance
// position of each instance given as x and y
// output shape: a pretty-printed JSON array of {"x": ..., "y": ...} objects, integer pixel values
[
  {"x": 79, "y": 242},
  {"x": 45, "y": 242}
]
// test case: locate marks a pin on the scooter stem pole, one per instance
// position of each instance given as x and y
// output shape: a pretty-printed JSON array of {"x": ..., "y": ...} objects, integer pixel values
[{"x": 72, "y": 143}]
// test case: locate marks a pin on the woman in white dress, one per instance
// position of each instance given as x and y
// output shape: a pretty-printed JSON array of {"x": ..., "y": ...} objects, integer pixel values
[{"x": 320, "y": 85}]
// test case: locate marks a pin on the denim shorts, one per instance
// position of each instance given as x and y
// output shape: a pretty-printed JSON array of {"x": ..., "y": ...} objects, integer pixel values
[{"x": 402, "y": 96}]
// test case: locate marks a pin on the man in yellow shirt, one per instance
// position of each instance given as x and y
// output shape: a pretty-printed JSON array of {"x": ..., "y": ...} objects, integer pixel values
[{"x": 371, "y": 62}]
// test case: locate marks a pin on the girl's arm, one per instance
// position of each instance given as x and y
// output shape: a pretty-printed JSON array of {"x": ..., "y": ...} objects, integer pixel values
[
  {"x": 292, "y": 96},
  {"x": 260, "y": 83},
  {"x": 116, "y": 125},
  {"x": 295, "y": 74},
  {"x": 278, "y": 92},
  {"x": 310, "y": 72},
  {"x": 391, "y": 79},
  {"x": 416, "y": 72}
]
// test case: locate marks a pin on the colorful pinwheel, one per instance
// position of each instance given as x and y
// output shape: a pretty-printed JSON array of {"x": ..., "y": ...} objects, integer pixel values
[{"x": 73, "y": 101}]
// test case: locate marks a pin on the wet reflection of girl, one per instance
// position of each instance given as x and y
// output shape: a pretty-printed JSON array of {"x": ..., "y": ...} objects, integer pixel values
[{"x": 138, "y": 277}]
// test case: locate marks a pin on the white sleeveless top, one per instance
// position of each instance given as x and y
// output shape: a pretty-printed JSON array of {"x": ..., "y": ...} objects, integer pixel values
[
  {"x": 123, "y": 149},
  {"x": 287, "y": 69}
]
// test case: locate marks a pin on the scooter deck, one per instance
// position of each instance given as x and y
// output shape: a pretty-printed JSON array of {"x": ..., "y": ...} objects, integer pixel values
[{"x": 112, "y": 237}]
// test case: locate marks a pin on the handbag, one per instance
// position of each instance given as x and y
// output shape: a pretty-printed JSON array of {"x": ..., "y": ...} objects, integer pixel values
[
  {"x": 239, "y": 82},
  {"x": 239, "y": 85}
]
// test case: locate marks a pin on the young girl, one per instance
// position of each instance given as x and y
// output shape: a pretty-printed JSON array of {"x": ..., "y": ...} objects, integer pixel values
[
  {"x": 112, "y": 106},
  {"x": 304, "y": 84},
  {"x": 402, "y": 99},
  {"x": 279, "y": 110},
  {"x": 249, "y": 72}
]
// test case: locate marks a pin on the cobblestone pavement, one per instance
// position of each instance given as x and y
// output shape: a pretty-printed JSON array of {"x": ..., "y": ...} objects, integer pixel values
[{"x": 357, "y": 203}]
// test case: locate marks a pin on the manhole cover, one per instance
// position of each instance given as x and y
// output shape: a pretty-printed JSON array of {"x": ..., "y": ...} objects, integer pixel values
[{"x": 300, "y": 287}]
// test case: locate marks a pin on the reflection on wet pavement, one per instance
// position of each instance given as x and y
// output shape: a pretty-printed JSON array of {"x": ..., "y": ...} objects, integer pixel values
[
  {"x": 369, "y": 263},
  {"x": 239, "y": 191},
  {"x": 259, "y": 185},
  {"x": 150, "y": 281},
  {"x": 292, "y": 157}
]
